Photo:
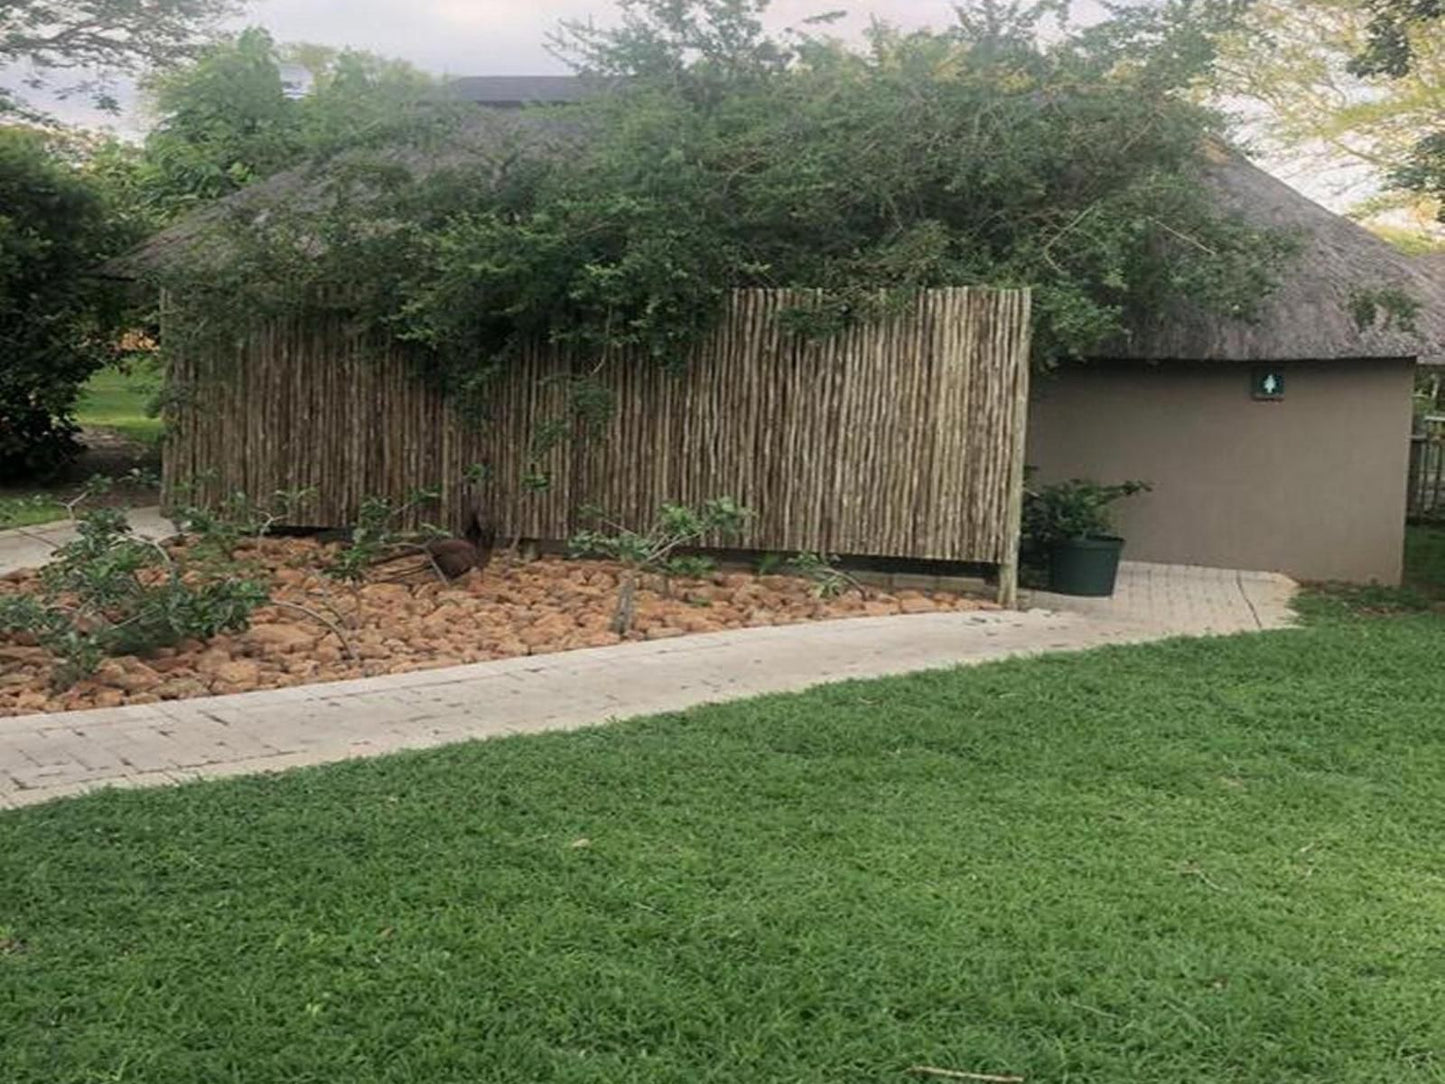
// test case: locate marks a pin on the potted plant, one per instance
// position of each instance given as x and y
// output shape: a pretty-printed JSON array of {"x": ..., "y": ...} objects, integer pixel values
[{"x": 1069, "y": 524}]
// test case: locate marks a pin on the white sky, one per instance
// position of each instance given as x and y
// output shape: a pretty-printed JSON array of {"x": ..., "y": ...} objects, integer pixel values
[
  {"x": 488, "y": 37},
  {"x": 508, "y": 37}
]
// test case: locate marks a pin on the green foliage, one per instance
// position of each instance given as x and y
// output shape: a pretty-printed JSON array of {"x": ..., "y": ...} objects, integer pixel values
[
  {"x": 651, "y": 550},
  {"x": 1209, "y": 861},
  {"x": 1390, "y": 50},
  {"x": 227, "y": 120},
  {"x": 1071, "y": 510},
  {"x": 28, "y": 509},
  {"x": 988, "y": 153},
  {"x": 110, "y": 593},
  {"x": 1424, "y": 170},
  {"x": 377, "y": 535},
  {"x": 1317, "y": 80},
  {"x": 1389, "y": 306},
  {"x": 218, "y": 529},
  {"x": 693, "y": 567},
  {"x": 95, "y": 39},
  {"x": 57, "y": 320},
  {"x": 828, "y": 580}
]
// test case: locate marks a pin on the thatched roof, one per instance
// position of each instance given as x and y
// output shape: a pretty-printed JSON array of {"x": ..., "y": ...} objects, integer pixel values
[
  {"x": 474, "y": 140},
  {"x": 513, "y": 91},
  {"x": 1309, "y": 317}
]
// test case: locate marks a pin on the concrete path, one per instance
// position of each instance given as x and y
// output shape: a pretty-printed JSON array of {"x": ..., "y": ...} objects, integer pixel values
[
  {"x": 27, "y": 547},
  {"x": 43, "y": 757}
]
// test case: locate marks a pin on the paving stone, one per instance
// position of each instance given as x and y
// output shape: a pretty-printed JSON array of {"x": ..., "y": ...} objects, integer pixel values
[{"x": 43, "y": 758}]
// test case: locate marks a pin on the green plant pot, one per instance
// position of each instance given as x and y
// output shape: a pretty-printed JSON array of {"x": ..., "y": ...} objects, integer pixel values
[{"x": 1085, "y": 566}]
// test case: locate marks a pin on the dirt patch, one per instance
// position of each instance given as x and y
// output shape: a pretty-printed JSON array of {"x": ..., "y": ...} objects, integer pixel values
[
  {"x": 109, "y": 453},
  {"x": 510, "y": 609}
]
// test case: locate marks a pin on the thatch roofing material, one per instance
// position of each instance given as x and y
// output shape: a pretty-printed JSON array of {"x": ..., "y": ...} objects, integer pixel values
[
  {"x": 487, "y": 139},
  {"x": 519, "y": 90},
  {"x": 1309, "y": 316}
]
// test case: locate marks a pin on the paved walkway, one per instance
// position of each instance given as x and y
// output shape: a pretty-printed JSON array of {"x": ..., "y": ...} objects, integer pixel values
[
  {"x": 43, "y": 757},
  {"x": 29, "y": 546}
]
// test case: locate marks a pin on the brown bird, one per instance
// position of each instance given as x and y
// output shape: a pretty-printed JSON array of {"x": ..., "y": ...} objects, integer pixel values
[{"x": 455, "y": 557}]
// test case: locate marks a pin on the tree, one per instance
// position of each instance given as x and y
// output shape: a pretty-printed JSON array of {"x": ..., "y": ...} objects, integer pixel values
[
  {"x": 1392, "y": 48},
  {"x": 99, "y": 36},
  {"x": 1404, "y": 40},
  {"x": 57, "y": 321},
  {"x": 987, "y": 153},
  {"x": 228, "y": 119},
  {"x": 1298, "y": 69}
]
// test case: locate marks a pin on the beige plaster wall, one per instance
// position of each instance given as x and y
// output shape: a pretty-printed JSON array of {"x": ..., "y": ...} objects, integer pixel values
[{"x": 1312, "y": 486}]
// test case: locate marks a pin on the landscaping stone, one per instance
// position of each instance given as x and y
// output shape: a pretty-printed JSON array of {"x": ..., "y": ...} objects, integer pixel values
[{"x": 509, "y": 610}]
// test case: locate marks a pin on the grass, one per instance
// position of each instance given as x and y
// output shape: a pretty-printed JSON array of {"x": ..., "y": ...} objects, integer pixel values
[
  {"x": 1195, "y": 861},
  {"x": 28, "y": 511},
  {"x": 119, "y": 400},
  {"x": 1423, "y": 589}
]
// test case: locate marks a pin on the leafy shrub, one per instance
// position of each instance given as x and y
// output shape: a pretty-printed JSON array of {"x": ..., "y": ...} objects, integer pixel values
[
  {"x": 828, "y": 580},
  {"x": 652, "y": 550},
  {"x": 219, "y": 528},
  {"x": 57, "y": 319},
  {"x": 376, "y": 535},
  {"x": 1070, "y": 510},
  {"x": 111, "y": 593}
]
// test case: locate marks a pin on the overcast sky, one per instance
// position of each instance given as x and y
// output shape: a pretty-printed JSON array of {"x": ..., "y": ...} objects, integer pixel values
[
  {"x": 494, "y": 37},
  {"x": 508, "y": 37}
]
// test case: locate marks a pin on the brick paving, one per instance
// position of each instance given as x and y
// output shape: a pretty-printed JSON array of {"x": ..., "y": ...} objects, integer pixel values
[{"x": 44, "y": 757}]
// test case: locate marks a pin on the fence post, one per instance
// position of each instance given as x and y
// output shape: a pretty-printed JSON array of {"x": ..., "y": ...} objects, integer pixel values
[{"x": 1008, "y": 572}]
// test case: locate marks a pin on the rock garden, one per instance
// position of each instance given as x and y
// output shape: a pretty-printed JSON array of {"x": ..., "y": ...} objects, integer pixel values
[{"x": 117, "y": 620}]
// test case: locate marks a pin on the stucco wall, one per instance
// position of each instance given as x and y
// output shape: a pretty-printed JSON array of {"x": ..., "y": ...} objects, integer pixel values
[{"x": 1312, "y": 486}]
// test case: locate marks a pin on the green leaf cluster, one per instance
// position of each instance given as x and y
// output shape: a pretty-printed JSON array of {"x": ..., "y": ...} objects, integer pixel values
[
  {"x": 57, "y": 320},
  {"x": 716, "y": 157},
  {"x": 110, "y": 593},
  {"x": 1071, "y": 510}
]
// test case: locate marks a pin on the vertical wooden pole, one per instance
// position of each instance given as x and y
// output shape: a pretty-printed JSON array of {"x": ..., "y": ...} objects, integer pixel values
[{"x": 1008, "y": 573}]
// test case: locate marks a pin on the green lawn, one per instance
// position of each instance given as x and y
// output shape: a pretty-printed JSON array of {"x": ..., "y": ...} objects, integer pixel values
[
  {"x": 1423, "y": 590},
  {"x": 1196, "y": 861},
  {"x": 27, "y": 511},
  {"x": 120, "y": 400}
]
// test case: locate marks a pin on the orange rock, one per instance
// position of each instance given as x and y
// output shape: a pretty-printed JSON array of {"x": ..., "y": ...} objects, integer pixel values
[
  {"x": 182, "y": 688},
  {"x": 919, "y": 605},
  {"x": 386, "y": 593},
  {"x": 239, "y": 674},
  {"x": 24, "y": 655},
  {"x": 284, "y": 638},
  {"x": 134, "y": 677},
  {"x": 328, "y": 653},
  {"x": 209, "y": 660},
  {"x": 445, "y": 617}
]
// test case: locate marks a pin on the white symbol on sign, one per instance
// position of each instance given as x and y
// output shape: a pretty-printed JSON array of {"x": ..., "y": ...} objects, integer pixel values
[{"x": 1271, "y": 384}]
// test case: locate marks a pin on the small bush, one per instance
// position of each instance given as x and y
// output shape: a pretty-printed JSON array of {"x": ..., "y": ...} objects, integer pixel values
[
  {"x": 652, "y": 550},
  {"x": 111, "y": 593}
]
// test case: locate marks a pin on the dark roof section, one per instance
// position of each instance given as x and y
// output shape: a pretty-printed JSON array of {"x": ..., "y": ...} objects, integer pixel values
[
  {"x": 515, "y": 91},
  {"x": 1309, "y": 317}
]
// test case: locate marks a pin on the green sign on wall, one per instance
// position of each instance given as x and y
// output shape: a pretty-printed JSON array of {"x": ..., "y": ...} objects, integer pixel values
[{"x": 1268, "y": 384}]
